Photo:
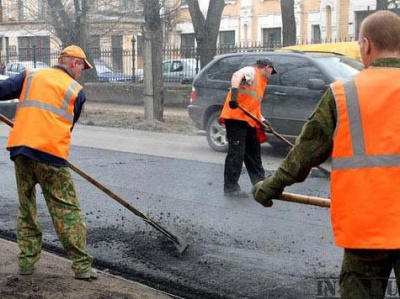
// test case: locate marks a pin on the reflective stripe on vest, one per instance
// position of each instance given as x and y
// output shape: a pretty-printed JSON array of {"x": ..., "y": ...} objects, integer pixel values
[
  {"x": 251, "y": 91},
  {"x": 360, "y": 159},
  {"x": 62, "y": 111}
]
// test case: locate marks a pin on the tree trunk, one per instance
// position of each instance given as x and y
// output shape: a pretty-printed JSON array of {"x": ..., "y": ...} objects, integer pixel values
[
  {"x": 288, "y": 23},
  {"x": 206, "y": 30},
  {"x": 81, "y": 9},
  {"x": 63, "y": 25},
  {"x": 153, "y": 32},
  {"x": 148, "y": 76}
]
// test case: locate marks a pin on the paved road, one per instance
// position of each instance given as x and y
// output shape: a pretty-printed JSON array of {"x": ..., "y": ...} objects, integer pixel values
[{"x": 238, "y": 249}]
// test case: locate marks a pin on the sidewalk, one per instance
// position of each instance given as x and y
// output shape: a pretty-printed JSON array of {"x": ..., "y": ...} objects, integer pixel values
[{"x": 53, "y": 279}]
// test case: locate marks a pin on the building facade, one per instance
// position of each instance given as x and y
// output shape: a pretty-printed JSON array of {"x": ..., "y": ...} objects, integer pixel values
[{"x": 260, "y": 21}]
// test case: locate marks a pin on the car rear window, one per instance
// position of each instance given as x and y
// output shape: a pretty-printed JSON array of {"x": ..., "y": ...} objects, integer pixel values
[
  {"x": 340, "y": 67},
  {"x": 224, "y": 68},
  {"x": 297, "y": 71}
]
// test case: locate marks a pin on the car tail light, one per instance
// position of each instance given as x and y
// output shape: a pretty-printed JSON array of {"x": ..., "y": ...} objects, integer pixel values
[{"x": 193, "y": 95}]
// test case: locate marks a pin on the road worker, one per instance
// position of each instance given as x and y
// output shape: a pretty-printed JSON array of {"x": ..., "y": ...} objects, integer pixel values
[
  {"x": 357, "y": 124},
  {"x": 50, "y": 103},
  {"x": 244, "y": 134}
]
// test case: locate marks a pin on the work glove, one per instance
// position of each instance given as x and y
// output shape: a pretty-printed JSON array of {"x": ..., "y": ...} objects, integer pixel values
[
  {"x": 263, "y": 193},
  {"x": 267, "y": 127},
  {"x": 233, "y": 103}
]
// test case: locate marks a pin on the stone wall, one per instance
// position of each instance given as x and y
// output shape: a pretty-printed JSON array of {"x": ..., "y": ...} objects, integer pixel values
[{"x": 176, "y": 95}]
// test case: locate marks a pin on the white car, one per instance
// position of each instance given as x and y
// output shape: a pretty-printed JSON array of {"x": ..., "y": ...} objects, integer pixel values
[
  {"x": 16, "y": 67},
  {"x": 181, "y": 70}
]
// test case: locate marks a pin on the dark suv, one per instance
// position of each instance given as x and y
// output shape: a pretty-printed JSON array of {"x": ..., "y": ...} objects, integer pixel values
[{"x": 289, "y": 99}]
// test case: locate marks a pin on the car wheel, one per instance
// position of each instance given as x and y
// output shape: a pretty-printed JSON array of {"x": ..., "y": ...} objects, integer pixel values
[{"x": 216, "y": 133}]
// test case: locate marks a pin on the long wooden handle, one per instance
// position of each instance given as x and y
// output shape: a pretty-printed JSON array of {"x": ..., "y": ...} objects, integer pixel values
[
  {"x": 306, "y": 199},
  {"x": 271, "y": 129},
  {"x": 6, "y": 120}
]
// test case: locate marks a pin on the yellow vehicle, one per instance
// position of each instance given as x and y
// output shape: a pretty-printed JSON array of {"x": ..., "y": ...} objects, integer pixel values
[{"x": 350, "y": 49}]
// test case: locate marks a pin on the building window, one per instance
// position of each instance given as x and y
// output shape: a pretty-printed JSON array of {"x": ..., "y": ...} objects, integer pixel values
[
  {"x": 272, "y": 37},
  {"x": 20, "y": 5},
  {"x": 316, "y": 34},
  {"x": 227, "y": 38},
  {"x": 36, "y": 48},
  {"x": 227, "y": 41},
  {"x": 188, "y": 45},
  {"x": 42, "y": 10},
  {"x": 126, "y": 5}
]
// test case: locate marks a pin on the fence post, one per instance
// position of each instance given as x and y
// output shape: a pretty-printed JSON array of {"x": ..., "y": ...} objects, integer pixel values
[
  {"x": 34, "y": 56},
  {"x": 133, "y": 59}
]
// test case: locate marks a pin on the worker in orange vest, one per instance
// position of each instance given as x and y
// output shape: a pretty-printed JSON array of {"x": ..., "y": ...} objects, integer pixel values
[
  {"x": 357, "y": 124},
  {"x": 50, "y": 103},
  {"x": 244, "y": 133}
]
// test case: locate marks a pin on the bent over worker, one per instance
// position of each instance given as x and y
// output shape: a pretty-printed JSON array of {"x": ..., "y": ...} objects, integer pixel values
[
  {"x": 357, "y": 123},
  {"x": 50, "y": 103},
  {"x": 244, "y": 134}
]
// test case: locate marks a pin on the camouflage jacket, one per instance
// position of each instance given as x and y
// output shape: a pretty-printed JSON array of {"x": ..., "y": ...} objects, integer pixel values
[{"x": 315, "y": 143}]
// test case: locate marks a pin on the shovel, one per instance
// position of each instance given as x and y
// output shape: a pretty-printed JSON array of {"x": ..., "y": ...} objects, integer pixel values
[
  {"x": 178, "y": 242},
  {"x": 268, "y": 128},
  {"x": 306, "y": 199}
]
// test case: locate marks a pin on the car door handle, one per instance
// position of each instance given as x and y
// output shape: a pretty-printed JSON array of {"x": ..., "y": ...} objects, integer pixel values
[{"x": 280, "y": 93}]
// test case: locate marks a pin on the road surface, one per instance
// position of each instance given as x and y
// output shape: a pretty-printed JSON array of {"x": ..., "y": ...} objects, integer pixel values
[{"x": 238, "y": 249}]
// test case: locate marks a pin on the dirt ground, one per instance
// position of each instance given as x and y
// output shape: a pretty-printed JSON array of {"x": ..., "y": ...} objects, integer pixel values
[
  {"x": 53, "y": 279},
  {"x": 176, "y": 120}
]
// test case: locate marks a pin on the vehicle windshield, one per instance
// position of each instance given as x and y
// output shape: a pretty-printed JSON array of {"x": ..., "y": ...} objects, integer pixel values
[
  {"x": 340, "y": 67},
  {"x": 102, "y": 68}
]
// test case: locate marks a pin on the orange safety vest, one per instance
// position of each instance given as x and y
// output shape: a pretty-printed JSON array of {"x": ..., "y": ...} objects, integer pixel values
[
  {"x": 365, "y": 177},
  {"x": 250, "y": 98},
  {"x": 45, "y": 112}
]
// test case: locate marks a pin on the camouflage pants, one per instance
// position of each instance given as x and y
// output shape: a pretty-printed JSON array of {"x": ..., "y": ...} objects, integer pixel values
[
  {"x": 365, "y": 273},
  {"x": 59, "y": 192}
]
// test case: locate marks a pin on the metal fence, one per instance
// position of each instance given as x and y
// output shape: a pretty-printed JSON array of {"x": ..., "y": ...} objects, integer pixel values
[{"x": 180, "y": 63}]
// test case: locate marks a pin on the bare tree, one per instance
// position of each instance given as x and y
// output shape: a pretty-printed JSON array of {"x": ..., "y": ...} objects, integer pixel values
[
  {"x": 64, "y": 24},
  {"x": 152, "y": 47},
  {"x": 288, "y": 22},
  {"x": 70, "y": 25},
  {"x": 206, "y": 29}
]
